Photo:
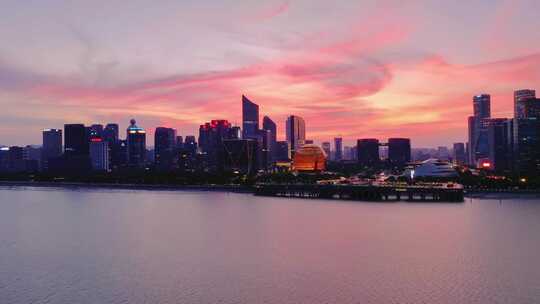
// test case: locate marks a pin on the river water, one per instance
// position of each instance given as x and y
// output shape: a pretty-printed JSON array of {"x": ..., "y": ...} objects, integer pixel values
[{"x": 120, "y": 246}]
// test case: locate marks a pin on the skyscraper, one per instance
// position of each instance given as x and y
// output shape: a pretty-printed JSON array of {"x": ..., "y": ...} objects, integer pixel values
[
  {"x": 110, "y": 133},
  {"x": 136, "y": 145},
  {"x": 338, "y": 144},
  {"x": 499, "y": 132},
  {"x": 399, "y": 151},
  {"x": 97, "y": 130},
  {"x": 521, "y": 99},
  {"x": 478, "y": 137},
  {"x": 164, "y": 147},
  {"x": 526, "y": 129},
  {"x": 295, "y": 132},
  {"x": 527, "y": 145},
  {"x": 482, "y": 105},
  {"x": 211, "y": 136},
  {"x": 240, "y": 155},
  {"x": 250, "y": 118},
  {"x": 99, "y": 154},
  {"x": 52, "y": 146},
  {"x": 76, "y": 140},
  {"x": 270, "y": 126},
  {"x": 368, "y": 151}
]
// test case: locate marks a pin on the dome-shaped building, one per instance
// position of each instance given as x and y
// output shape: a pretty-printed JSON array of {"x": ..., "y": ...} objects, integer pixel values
[{"x": 309, "y": 158}]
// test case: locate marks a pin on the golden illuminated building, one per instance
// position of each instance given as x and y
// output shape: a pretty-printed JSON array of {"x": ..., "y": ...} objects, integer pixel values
[{"x": 309, "y": 158}]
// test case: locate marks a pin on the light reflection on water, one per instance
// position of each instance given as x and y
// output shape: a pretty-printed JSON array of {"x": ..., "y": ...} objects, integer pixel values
[{"x": 120, "y": 246}]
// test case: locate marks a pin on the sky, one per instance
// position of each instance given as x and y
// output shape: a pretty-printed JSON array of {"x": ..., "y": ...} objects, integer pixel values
[{"x": 350, "y": 68}]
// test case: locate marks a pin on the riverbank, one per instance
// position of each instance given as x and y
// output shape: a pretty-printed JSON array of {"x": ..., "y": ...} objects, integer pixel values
[
  {"x": 482, "y": 194},
  {"x": 74, "y": 185}
]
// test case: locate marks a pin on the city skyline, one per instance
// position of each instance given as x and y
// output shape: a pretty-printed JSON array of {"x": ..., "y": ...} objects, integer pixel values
[{"x": 380, "y": 70}]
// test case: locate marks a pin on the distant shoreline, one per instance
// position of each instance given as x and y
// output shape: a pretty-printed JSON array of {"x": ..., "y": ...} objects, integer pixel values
[
  {"x": 163, "y": 187},
  {"x": 485, "y": 194}
]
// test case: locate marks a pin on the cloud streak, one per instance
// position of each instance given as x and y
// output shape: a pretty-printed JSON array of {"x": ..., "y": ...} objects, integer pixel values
[{"x": 366, "y": 74}]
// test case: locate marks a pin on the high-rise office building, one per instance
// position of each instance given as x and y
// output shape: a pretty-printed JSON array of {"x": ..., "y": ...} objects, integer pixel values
[
  {"x": 283, "y": 151},
  {"x": 111, "y": 133},
  {"x": 191, "y": 144},
  {"x": 179, "y": 142},
  {"x": 250, "y": 118},
  {"x": 399, "y": 151},
  {"x": 526, "y": 133},
  {"x": 521, "y": 99},
  {"x": 211, "y": 136},
  {"x": 295, "y": 132},
  {"x": 527, "y": 145},
  {"x": 478, "y": 137},
  {"x": 270, "y": 126},
  {"x": 367, "y": 150},
  {"x": 500, "y": 145},
  {"x": 327, "y": 149},
  {"x": 164, "y": 147},
  {"x": 52, "y": 146},
  {"x": 33, "y": 158},
  {"x": 460, "y": 156},
  {"x": 264, "y": 141},
  {"x": 96, "y": 130},
  {"x": 482, "y": 106},
  {"x": 76, "y": 140},
  {"x": 136, "y": 145},
  {"x": 236, "y": 132},
  {"x": 99, "y": 154},
  {"x": 240, "y": 155},
  {"x": 338, "y": 145}
]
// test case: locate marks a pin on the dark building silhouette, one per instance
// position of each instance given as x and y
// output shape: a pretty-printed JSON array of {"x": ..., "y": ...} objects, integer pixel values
[
  {"x": 15, "y": 159},
  {"x": 119, "y": 154},
  {"x": 96, "y": 130},
  {"x": 136, "y": 145},
  {"x": 526, "y": 133},
  {"x": 99, "y": 153},
  {"x": 190, "y": 144},
  {"x": 264, "y": 157},
  {"x": 270, "y": 126},
  {"x": 179, "y": 142},
  {"x": 499, "y": 132},
  {"x": 478, "y": 136},
  {"x": 460, "y": 155},
  {"x": 240, "y": 155},
  {"x": 76, "y": 140},
  {"x": 482, "y": 106},
  {"x": 250, "y": 118},
  {"x": 368, "y": 152},
  {"x": 338, "y": 144},
  {"x": 51, "y": 147},
  {"x": 111, "y": 133},
  {"x": 523, "y": 98},
  {"x": 211, "y": 137},
  {"x": 295, "y": 132},
  {"x": 236, "y": 132},
  {"x": 165, "y": 147},
  {"x": 527, "y": 145},
  {"x": 283, "y": 152},
  {"x": 399, "y": 151}
]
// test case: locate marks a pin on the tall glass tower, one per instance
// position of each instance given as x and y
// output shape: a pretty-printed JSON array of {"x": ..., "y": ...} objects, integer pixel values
[
  {"x": 296, "y": 132},
  {"x": 136, "y": 145},
  {"x": 250, "y": 118}
]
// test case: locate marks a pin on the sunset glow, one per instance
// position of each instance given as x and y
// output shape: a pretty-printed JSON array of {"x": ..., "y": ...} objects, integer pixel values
[{"x": 350, "y": 68}]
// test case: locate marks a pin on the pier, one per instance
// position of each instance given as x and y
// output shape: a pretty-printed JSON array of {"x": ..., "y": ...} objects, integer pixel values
[{"x": 373, "y": 193}]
